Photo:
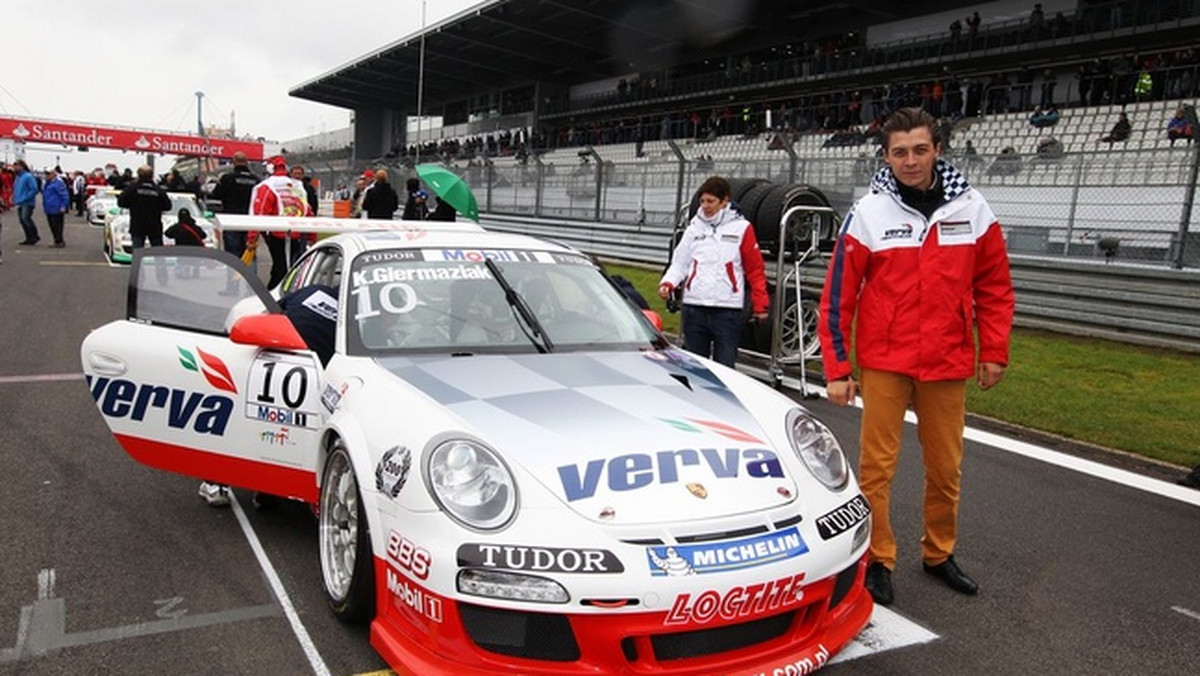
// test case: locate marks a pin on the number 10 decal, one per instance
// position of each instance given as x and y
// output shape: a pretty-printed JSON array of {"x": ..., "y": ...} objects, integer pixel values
[{"x": 282, "y": 391}]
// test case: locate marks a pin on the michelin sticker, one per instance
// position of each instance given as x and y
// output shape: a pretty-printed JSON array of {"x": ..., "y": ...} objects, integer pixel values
[
  {"x": 392, "y": 471},
  {"x": 716, "y": 557}
]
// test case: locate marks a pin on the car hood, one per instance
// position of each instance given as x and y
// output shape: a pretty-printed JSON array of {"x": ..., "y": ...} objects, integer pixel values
[{"x": 622, "y": 437}]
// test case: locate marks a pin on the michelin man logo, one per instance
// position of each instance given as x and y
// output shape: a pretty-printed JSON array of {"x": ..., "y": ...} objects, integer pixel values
[
  {"x": 392, "y": 471},
  {"x": 671, "y": 563}
]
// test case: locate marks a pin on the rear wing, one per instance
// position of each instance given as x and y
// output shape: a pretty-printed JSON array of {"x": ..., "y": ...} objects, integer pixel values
[{"x": 333, "y": 226}]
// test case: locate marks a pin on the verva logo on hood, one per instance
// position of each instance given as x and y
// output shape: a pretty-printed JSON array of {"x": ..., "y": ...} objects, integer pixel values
[{"x": 637, "y": 470}]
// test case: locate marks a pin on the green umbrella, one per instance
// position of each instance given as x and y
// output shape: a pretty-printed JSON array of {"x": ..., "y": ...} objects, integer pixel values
[{"x": 450, "y": 187}]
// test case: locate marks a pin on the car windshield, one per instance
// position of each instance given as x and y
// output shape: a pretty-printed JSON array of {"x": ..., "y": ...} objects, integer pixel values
[
  {"x": 188, "y": 202},
  {"x": 449, "y": 301}
]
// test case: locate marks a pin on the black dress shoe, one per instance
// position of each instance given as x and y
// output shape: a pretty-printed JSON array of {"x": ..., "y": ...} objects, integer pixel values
[
  {"x": 879, "y": 583},
  {"x": 28, "y": 242},
  {"x": 948, "y": 571}
]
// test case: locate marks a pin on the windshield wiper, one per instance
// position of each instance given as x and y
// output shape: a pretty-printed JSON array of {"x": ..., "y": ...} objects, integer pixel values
[{"x": 518, "y": 303}]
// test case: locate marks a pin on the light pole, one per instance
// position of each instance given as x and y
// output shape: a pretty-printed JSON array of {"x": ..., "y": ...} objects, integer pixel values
[
  {"x": 421, "y": 82},
  {"x": 199, "y": 119}
]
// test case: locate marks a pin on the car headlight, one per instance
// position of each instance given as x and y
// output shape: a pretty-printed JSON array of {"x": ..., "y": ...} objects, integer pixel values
[
  {"x": 819, "y": 449},
  {"x": 471, "y": 484}
]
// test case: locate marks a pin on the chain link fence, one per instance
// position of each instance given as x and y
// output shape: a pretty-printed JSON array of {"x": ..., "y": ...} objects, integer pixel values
[{"x": 1118, "y": 206}]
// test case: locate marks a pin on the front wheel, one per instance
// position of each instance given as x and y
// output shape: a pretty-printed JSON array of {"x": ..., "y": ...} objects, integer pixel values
[{"x": 346, "y": 559}]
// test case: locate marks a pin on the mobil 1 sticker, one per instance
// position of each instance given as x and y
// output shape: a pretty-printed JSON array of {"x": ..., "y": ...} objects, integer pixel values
[
  {"x": 481, "y": 255},
  {"x": 283, "y": 390}
]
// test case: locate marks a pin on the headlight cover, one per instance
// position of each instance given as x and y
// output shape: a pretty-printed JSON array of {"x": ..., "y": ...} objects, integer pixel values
[
  {"x": 471, "y": 484},
  {"x": 819, "y": 449}
]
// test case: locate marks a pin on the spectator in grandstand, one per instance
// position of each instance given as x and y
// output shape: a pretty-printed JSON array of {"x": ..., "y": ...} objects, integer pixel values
[
  {"x": 1007, "y": 163},
  {"x": 1119, "y": 133},
  {"x": 973, "y": 26},
  {"x": 1044, "y": 117},
  {"x": 1037, "y": 20},
  {"x": 716, "y": 262},
  {"x": 1049, "y": 149},
  {"x": 381, "y": 201},
  {"x": 1180, "y": 127},
  {"x": 908, "y": 282}
]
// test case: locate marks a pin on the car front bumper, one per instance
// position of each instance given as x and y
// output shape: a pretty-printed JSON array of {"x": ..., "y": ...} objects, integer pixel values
[{"x": 418, "y": 631}]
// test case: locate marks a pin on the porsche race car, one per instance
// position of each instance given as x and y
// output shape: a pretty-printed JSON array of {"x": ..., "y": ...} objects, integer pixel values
[
  {"x": 514, "y": 471},
  {"x": 100, "y": 199},
  {"x": 118, "y": 245}
]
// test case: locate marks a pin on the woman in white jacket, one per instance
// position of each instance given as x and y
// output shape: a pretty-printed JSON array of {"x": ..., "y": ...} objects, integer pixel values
[{"x": 715, "y": 262}]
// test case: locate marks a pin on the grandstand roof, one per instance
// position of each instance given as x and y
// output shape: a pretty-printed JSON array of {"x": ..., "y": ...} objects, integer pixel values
[{"x": 498, "y": 44}]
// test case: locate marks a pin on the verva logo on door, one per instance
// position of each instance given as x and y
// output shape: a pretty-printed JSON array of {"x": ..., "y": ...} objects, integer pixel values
[{"x": 203, "y": 413}]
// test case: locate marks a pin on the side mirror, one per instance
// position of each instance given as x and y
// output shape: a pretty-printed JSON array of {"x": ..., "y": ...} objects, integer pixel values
[
  {"x": 269, "y": 330},
  {"x": 654, "y": 318}
]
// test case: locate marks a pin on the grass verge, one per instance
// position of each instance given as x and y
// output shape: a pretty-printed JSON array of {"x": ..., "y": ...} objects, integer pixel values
[{"x": 1130, "y": 398}]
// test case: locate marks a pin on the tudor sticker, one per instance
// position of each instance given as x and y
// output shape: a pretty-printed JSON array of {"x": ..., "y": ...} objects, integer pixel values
[
  {"x": 282, "y": 390},
  {"x": 541, "y": 559},
  {"x": 755, "y": 599},
  {"x": 716, "y": 557},
  {"x": 843, "y": 518},
  {"x": 392, "y": 471}
]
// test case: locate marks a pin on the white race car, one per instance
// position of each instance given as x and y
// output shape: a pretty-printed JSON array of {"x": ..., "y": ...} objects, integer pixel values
[
  {"x": 100, "y": 199},
  {"x": 118, "y": 245},
  {"x": 514, "y": 471}
]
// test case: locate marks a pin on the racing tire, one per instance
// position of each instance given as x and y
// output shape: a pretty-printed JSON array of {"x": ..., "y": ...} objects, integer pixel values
[
  {"x": 751, "y": 203},
  {"x": 738, "y": 187},
  {"x": 757, "y": 337},
  {"x": 776, "y": 204},
  {"x": 347, "y": 568}
]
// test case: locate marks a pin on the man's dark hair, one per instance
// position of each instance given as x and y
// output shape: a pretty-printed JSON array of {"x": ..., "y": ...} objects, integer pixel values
[
  {"x": 716, "y": 186},
  {"x": 908, "y": 119},
  {"x": 412, "y": 184}
]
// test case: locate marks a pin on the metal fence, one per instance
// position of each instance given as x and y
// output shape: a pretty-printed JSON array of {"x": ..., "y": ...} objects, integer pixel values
[{"x": 1119, "y": 206}]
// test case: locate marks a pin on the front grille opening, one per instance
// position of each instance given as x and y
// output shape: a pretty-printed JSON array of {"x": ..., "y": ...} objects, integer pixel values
[
  {"x": 842, "y": 585},
  {"x": 722, "y": 639},
  {"x": 630, "y": 649},
  {"x": 721, "y": 535},
  {"x": 535, "y": 636}
]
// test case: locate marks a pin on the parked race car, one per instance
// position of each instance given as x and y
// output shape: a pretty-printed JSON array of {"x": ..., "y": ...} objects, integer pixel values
[
  {"x": 514, "y": 471},
  {"x": 100, "y": 200},
  {"x": 118, "y": 245}
]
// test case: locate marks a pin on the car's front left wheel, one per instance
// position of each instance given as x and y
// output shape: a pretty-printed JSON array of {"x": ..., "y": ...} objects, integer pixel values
[{"x": 346, "y": 560}]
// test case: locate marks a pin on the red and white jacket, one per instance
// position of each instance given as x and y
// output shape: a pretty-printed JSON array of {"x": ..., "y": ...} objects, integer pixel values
[
  {"x": 712, "y": 260},
  {"x": 918, "y": 286},
  {"x": 279, "y": 195}
]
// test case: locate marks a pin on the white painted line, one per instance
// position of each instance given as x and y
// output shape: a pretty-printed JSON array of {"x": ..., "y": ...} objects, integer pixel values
[
  {"x": 46, "y": 584},
  {"x": 289, "y": 610},
  {"x": 1165, "y": 489},
  {"x": 887, "y": 630},
  {"x": 1184, "y": 611},
  {"x": 41, "y": 378}
]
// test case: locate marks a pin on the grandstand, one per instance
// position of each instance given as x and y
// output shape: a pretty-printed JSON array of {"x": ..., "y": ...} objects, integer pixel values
[{"x": 597, "y": 140}]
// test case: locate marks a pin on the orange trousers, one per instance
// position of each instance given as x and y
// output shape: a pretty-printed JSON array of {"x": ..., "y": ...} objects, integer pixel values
[{"x": 941, "y": 415}]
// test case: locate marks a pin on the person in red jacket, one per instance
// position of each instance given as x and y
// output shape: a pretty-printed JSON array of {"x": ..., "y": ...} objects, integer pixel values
[
  {"x": 921, "y": 261},
  {"x": 278, "y": 195},
  {"x": 717, "y": 262}
]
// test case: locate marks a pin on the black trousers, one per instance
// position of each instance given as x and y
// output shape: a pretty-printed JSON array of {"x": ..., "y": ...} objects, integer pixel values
[{"x": 56, "y": 227}]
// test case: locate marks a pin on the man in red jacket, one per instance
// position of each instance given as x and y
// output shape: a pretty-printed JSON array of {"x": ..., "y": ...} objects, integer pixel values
[
  {"x": 278, "y": 195},
  {"x": 921, "y": 260}
]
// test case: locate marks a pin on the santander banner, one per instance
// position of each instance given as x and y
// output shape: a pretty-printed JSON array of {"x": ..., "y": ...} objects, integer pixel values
[{"x": 30, "y": 130}]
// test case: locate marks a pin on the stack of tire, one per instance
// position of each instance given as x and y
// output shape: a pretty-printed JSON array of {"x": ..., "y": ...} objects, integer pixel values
[{"x": 764, "y": 203}]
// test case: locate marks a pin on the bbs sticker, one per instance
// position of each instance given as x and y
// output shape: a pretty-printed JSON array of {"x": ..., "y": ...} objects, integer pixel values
[{"x": 392, "y": 470}]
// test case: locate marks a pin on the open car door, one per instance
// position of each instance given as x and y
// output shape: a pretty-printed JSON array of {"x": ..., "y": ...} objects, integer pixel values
[{"x": 206, "y": 377}]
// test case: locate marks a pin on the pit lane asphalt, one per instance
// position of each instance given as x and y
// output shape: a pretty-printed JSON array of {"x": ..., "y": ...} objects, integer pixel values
[{"x": 121, "y": 569}]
